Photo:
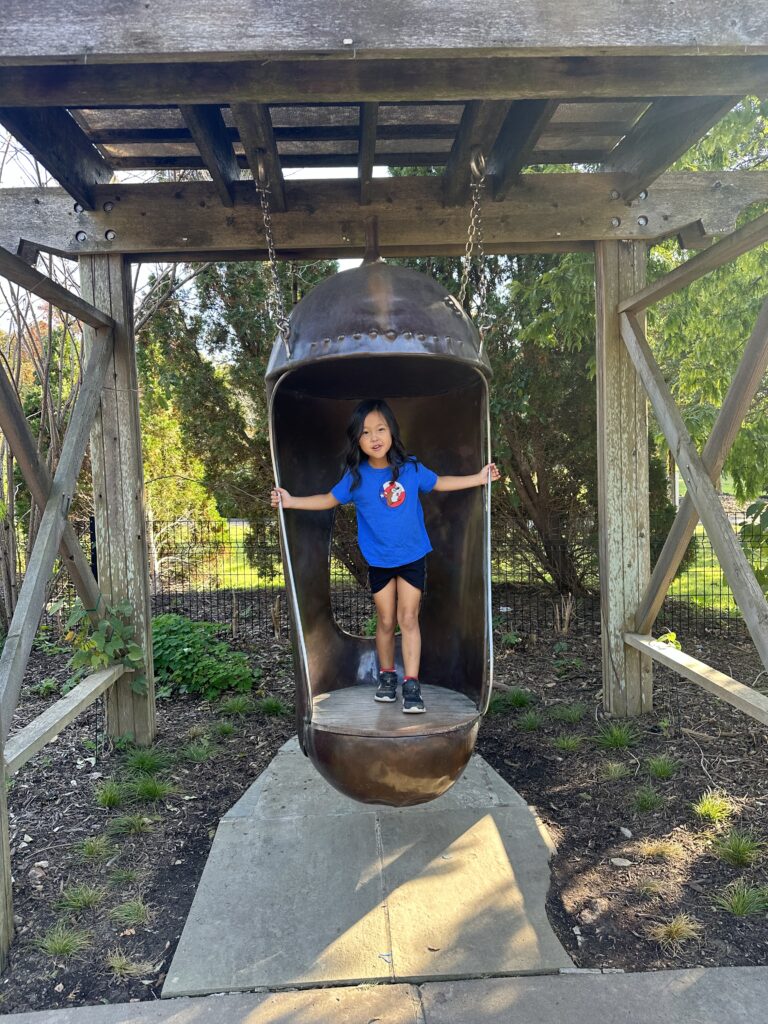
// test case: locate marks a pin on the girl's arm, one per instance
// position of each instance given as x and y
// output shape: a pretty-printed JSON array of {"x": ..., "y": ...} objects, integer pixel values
[
  {"x": 461, "y": 483},
  {"x": 312, "y": 502}
]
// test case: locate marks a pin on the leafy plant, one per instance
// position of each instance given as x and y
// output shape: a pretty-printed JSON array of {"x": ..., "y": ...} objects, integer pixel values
[
  {"x": 77, "y": 898},
  {"x": 46, "y": 687},
  {"x": 661, "y": 766},
  {"x": 62, "y": 941},
  {"x": 511, "y": 639},
  {"x": 565, "y": 665},
  {"x": 131, "y": 913},
  {"x": 670, "y": 638},
  {"x": 647, "y": 799},
  {"x": 714, "y": 806},
  {"x": 616, "y": 736},
  {"x": 110, "y": 642},
  {"x": 740, "y": 849},
  {"x": 670, "y": 935},
  {"x": 741, "y": 899},
  {"x": 570, "y": 713},
  {"x": 189, "y": 658},
  {"x": 369, "y": 626}
]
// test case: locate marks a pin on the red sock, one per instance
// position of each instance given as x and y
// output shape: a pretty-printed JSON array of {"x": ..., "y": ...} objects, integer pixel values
[
  {"x": 387, "y": 669},
  {"x": 414, "y": 678}
]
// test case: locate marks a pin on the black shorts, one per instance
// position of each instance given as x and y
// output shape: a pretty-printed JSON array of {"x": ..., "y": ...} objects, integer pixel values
[{"x": 414, "y": 573}]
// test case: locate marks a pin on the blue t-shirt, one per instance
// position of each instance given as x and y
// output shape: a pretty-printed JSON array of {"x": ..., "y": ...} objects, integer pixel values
[{"x": 390, "y": 520}]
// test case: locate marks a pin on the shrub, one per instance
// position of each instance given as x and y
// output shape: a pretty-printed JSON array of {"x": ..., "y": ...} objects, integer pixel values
[{"x": 190, "y": 659}]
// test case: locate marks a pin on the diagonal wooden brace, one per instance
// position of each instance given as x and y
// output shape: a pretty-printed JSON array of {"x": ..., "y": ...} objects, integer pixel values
[
  {"x": 14, "y": 426},
  {"x": 31, "y": 601},
  {"x": 735, "y": 407},
  {"x": 738, "y": 572}
]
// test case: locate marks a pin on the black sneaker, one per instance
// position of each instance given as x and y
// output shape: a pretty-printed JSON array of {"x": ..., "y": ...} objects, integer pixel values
[
  {"x": 412, "y": 702},
  {"x": 386, "y": 691}
]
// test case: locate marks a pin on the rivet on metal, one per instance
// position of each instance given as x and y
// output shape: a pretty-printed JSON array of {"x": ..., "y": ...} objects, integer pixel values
[
  {"x": 421, "y": 337},
  {"x": 373, "y": 333},
  {"x": 340, "y": 338},
  {"x": 78, "y": 208},
  {"x": 408, "y": 335},
  {"x": 81, "y": 236},
  {"x": 643, "y": 195},
  {"x": 615, "y": 222},
  {"x": 109, "y": 207},
  {"x": 357, "y": 336},
  {"x": 391, "y": 335},
  {"x": 615, "y": 194},
  {"x": 642, "y": 221},
  {"x": 110, "y": 235}
]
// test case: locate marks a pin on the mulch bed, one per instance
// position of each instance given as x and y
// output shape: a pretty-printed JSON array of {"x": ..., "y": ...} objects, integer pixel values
[{"x": 601, "y": 911}]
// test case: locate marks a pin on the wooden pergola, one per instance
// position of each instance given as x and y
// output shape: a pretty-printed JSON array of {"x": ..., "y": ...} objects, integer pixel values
[{"x": 235, "y": 87}]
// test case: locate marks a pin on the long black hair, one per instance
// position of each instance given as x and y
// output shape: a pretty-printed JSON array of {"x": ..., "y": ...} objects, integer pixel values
[{"x": 396, "y": 456}]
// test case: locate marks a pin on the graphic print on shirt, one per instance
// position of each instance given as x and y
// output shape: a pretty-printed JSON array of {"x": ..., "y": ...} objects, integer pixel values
[{"x": 392, "y": 493}]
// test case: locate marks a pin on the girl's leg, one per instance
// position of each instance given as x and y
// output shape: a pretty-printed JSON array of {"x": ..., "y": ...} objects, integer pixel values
[
  {"x": 408, "y": 602},
  {"x": 384, "y": 600}
]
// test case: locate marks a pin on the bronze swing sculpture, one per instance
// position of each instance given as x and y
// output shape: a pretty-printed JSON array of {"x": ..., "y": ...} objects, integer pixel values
[{"x": 389, "y": 332}]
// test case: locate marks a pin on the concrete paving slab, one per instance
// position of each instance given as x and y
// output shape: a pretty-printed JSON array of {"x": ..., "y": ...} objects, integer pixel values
[
  {"x": 385, "y": 1004},
  {"x": 283, "y": 905},
  {"x": 736, "y": 995},
  {"x": 466, "y": 893}
]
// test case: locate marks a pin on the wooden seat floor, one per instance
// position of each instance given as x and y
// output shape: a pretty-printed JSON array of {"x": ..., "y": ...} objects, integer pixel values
[{"x": 352, "y": 711}]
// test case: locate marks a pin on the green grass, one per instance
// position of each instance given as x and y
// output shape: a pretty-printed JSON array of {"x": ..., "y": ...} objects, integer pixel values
[
  {"x": 737, "y": 848},
  {"x": 149, "y": 789},
  {"x": 741, "y": 899},
  {"x": 661, "y": 766},
  {"x": 124, "y": 966},
  {"x": 646, "y": 799},
  {"x": 110, "y": 793},
  {"x": 147, "y": 760},
  {"x": 224, "y": 729},
  {"x": 572, "y": 714},
  {"x": 616, "y": 736},
  {"x": 97, "y": 849},
  {"x": 530, "y": 721},
  {"x": 77, "y": 898},
  {"x": 62, "y": 941},
  {"x": 132, "y": 913},
  {"x": 510, "y": 700},
  {"x": 671, "y": 935},
  {"x": 567, "y": 744},
  {"x": 236, "y": 707},
  {"x": 713, "y": 806},
  {"x": 198, "y": 751},
  {"x": 273, "y": 706},
  {"x": 130, "y": 825},
  {"x": 613, "y": 771},
  {"x": 120, "y": 878}
]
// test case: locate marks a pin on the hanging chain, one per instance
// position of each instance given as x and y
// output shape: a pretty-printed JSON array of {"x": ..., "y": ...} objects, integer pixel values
[
  {"x": 474, "y": 244},
  {"x": 275, "y": 302}
]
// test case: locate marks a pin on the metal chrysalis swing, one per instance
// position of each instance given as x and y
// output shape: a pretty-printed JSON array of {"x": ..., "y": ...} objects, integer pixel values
[{"x": 388, "y": 332}]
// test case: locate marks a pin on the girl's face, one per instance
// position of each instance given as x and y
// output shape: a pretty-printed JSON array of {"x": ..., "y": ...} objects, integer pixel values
[{"x": 376, "y": 439}]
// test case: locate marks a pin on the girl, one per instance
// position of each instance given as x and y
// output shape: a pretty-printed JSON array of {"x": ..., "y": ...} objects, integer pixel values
[{"x": 384, "y": 483}]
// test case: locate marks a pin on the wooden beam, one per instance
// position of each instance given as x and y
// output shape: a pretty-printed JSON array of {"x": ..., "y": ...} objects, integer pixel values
[
  {"x": 41, "y": 730},
  {"x": 516, "y": 141},
  {"x": 725, "y": 687},
  {"x": 747, "y": 237},
  {"x": 66, "y": 31},
  {"x": 746, "y": 590},
  {"x": 207, "y": 128},
  {"x": 366, "y": 149},
  {"x": 14, "y": 426},
  {"x": 258, "y": 139},
  {"x": 59, "y": 144},
  {"x": 31, "y": 602},
  {"x": 6, "y": 884},
  {"x": 667, "y": 130},
  {"x": 156, "y": 219},
  {"x": 15, "y": 269},
  {"x": 747, "y": 380},
  {"x": 480, "y": 124},
  {"x": 302, "y": 133},
  {"x": 362, "y": 81},
  {"x": 118, "y": 489},
  {"x": 622, "y": 480}
]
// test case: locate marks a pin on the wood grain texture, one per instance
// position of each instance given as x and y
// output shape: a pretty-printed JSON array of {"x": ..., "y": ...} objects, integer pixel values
[
  {"x": 725, "y": 687},
  {"x": 544, "y": 208},
  {"x": 207, "y": 128},
  {"x": 17, "y": 270},
  {"x": 258, "y": 139},
  {"x": 60, "y": 145},
  {"x": 746, "y": 590},
  {"x": 41, "y": 730},
  {"x": 480, "y": 124},
  {"x": 369, "y": 116},
  {"x": 622, "y": 466},
  {"x": 118, "y": 490},
  {"x": 6, "y": 889},
  {"x": 516, "y": 141},
  {"x": 361, "y": 81},
  {"x": 67, "y": 30},
  {"x": 353, "y": 712}
]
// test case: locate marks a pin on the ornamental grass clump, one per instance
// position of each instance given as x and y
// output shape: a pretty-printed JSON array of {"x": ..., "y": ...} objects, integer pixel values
[
  {"x": 737, "y": 848},
  {"x": 616, "y": 736},
  {"x": 713, "y": 806},
  {"x": 671, "y": 935}
]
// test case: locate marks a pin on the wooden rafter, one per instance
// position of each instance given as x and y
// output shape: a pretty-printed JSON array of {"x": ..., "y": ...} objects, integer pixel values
[
  {"x": 61, "y": 146},
  {"x": 479, "y": 127},
  {"x": 516, "y": 140},
  {"x": 207, "y": 128},
  {"x": 258, "y": 139},
  {"x": 292, "y": 133},
  {"x": 14, "y": 426},
  {"x": 374, "y": 80},
  {"x": 667, "y": 130},
  {"x": 31, "y": 602},
  {"x": 749, "y": 375},
  {"x": 746, "y": 590},
  {"x": 366, "y": 150},
  {"x": 17, "y": 270}
]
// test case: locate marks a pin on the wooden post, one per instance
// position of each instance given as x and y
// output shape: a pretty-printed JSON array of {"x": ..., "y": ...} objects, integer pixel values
[
  {"x": 622, "y": 474},
  {"x": 6, "y": 892},
  {"x": 118, "y": 490}
]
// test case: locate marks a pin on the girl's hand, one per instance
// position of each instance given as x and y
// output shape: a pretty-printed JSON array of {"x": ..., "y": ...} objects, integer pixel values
[
  {"x": 490, "y": 468},
  {"x": 280, "y": 496}
]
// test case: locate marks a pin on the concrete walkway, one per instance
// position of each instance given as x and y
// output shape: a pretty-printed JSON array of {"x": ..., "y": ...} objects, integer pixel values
[
  {"x": 736, "y": 995},
  {"x": 304, "y": 887}
]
